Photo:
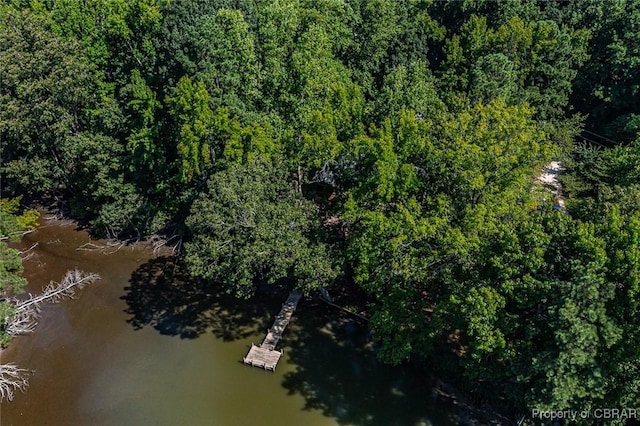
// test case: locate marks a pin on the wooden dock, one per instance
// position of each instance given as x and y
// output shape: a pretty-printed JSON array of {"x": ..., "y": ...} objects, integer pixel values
[{"x": 266, "y": 356}]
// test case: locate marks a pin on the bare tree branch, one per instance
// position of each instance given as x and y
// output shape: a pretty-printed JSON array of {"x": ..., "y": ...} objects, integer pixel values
[
  {"x": 159, "y": 242},
  {"x": 29, "y": 252},
  {"x": 13, "y": 234},
  {"x": 25, "y": 319},
  {"x": 12, "y": 379},
  {"x": 27, "y": 311},
  {"x": 107, "y": 248}
]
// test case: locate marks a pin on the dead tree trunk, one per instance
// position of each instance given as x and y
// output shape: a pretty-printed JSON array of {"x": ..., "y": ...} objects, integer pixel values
[
  {"x": 25, "y": 319},
  {"x": 28, "y": 311},
  {"x": 12, "y": 379}
]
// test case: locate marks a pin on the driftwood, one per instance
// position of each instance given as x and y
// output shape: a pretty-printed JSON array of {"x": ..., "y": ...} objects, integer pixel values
[
  {"x": 27, "y": 311},
  {"x": 12, "y": 379},
  {"x": 108, "y": 248},
  {"x": 25, "y": 319},
  {"x": 174, "y": 242},
  {"x": 28, "y": 253},
  {"x": 14, "y": 234}
]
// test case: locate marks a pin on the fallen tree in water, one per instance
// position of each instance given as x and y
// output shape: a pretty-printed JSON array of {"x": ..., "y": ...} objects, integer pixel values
[
  {"x": 12, "y": 379},
  {"x": 25, "y": 318},
  {"x": 27, "y": 311}
]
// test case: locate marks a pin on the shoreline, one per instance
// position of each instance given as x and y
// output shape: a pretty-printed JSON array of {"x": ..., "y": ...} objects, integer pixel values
[
  {"x": 466, "y": 411},
  {"x": 463, "y": 410}
]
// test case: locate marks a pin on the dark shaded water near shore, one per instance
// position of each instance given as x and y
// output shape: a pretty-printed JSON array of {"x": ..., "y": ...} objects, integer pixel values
[{"x": 145, "y": 345}]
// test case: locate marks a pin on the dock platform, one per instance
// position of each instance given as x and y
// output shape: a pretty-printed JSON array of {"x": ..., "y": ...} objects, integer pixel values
[{"x": 266, "y": 356}]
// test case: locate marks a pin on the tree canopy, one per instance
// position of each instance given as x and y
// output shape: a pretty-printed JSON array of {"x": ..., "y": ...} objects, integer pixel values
[
  {"x": 386, "y": 146},
  {"x": 252, "y": 226}
]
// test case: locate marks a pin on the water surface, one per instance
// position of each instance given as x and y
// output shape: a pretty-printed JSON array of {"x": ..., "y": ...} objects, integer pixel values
[{"x": 146, "y": 345}]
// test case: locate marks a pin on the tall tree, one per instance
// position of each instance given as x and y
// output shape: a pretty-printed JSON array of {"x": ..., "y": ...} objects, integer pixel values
[
  {"x": 46, "y": 96},
  {"x": 607, "y": 89},
  {"x": 541, "y": 56},
  {"x": 190, "y": 108},
  {"x": 420, "y": 201},
  {"x": 251, "y": 226},
  {"x": 226, "y": 60}
]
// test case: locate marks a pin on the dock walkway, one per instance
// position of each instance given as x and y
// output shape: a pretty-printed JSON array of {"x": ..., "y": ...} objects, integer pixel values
[{"x": 266, "y": 356}]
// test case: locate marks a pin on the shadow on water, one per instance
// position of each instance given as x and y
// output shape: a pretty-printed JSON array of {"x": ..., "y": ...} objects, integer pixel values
[
  {"x": 332, "y": 365},
  {"x": 337, "y": 373},
  {"x": 162, "y": 295}
]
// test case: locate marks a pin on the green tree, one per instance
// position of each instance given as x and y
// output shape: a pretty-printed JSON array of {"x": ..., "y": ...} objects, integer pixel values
[
  {"x": 540, "y": 56},
  {"x": 189, "y": 105},
  {"x": 411, "y": 87},
  {"x": 607, "y": 88},
  {"x": 421, "y": 203},
  {"x": 226, "y": 60},
  {"x": 146, "y": 151},
  {"x": 493, "y": 76},
  {"x": 183, "y": 31},
  {"x": 46, "y": 98},
  {"x": 251, "y": 226},
  {"x": 387, "y": 34},
  {"x": 327, "y": 107},
  {"x": 12, "y": 225},
  {"x": 482, "y": 152},
  {"x": 276, "y": 32}
]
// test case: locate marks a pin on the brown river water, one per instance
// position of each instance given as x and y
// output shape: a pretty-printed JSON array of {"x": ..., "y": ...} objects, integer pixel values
[{"x": 145, "y": 345}]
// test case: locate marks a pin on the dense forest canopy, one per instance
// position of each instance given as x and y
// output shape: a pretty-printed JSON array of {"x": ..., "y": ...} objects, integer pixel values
[{"x": 393, "y": 144}]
